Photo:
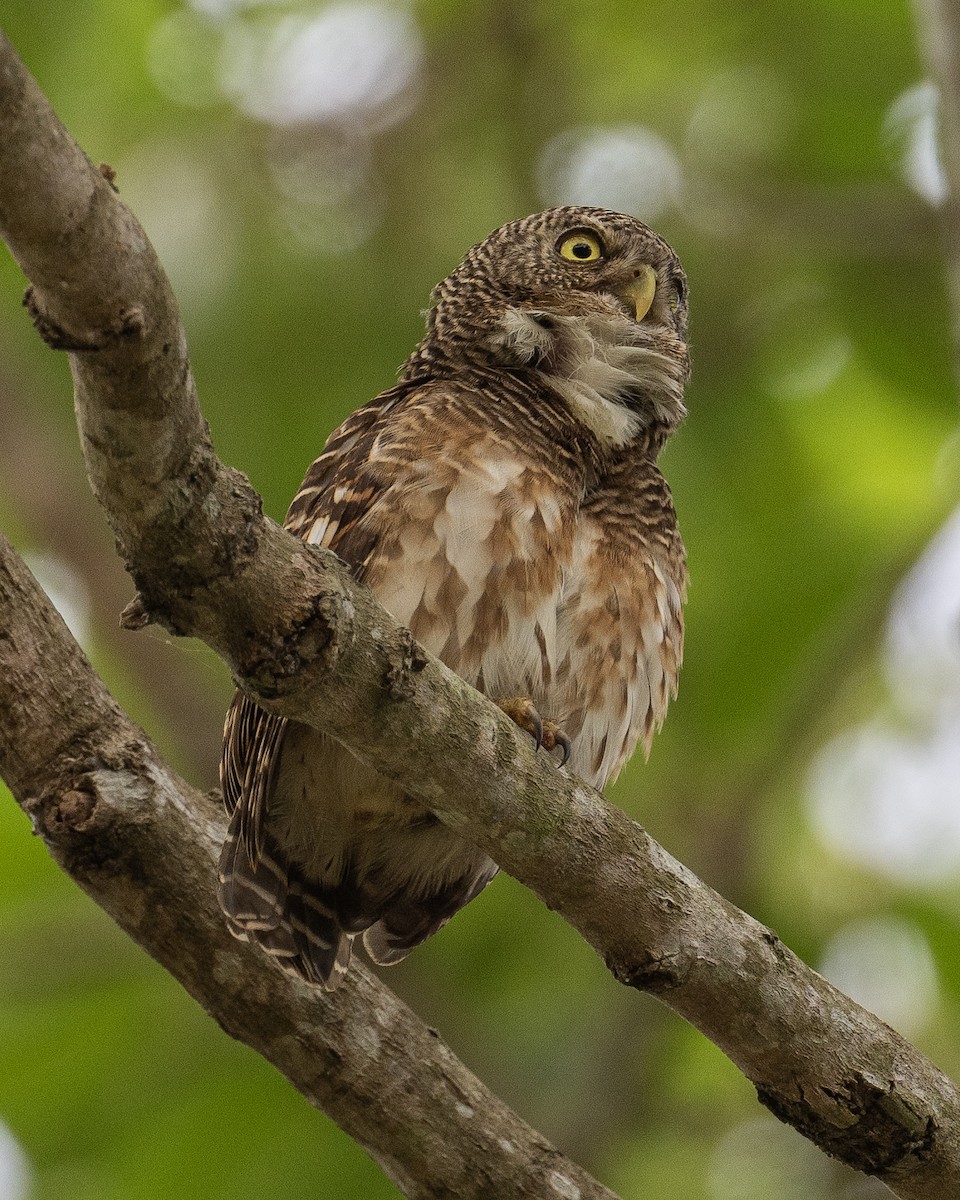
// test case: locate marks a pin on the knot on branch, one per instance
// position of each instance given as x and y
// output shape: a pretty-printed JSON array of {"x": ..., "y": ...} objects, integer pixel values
[
  {"x": 873, "y": 1128},
  {"x": 135, "y": 616},
  {"x": 130, "y": 323},
  {"x": 208, "y": 531},
  {"x": 72, "y": 811},
  {"x": 320, "y": 635},
  {"x": 109, "y": 174},
  {"x": 403, "y": 666},
  {"x": 655, "y": 974}
]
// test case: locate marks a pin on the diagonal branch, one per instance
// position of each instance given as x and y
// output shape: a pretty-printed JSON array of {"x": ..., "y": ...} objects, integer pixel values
[
  {"x": 306, "y": 642},
  {"x": 144, "y": 845}
]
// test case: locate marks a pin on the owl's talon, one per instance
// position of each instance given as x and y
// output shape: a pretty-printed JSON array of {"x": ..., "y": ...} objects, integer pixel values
[
  {"x": 537, "y": 731},
  {"x": 523, "y": 712},
  {"x": 554, "y": 736},
  {"x": 546, "y": 734}
]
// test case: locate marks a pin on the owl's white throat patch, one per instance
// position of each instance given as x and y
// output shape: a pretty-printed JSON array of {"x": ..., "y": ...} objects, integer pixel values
[{"x": 601, "y": 363}]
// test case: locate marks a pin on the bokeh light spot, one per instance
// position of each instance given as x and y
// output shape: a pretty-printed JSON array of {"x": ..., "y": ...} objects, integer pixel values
[
  {"x": 627, "y": 168},
  {"x": 66, "y": 590},
  {"x": 14, "y": 1168},
  {"x": 887, "y": 793},
  {"x": 886, "y": 965},
  {"x": 350, "y": 61},
  {"x": 910, "y": 129}
]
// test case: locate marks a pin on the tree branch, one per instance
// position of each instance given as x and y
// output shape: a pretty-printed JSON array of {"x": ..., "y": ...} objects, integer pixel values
[
  {"x": 308, "y": 643},
  {"x": 144, "y": 845},
  {"x": 62, "y": 517}
]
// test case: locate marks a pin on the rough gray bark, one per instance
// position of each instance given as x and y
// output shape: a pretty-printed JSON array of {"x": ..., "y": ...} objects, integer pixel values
[{"x": 306, "y": 642}]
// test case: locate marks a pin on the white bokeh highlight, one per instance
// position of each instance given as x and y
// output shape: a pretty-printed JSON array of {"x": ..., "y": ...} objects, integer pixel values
[
  {"x": 628, "y": 168},
  {"x": 885, "y": 964},
  {"x": 806, "y": 372},
  {"x": 891, "y": 801},
  {"x": 803, "y": 349},
  {"x": 887, "y": 792},
  {"x": 14, "y": 1168},
  {"x": 348, "y": 62},
  {"x": 225, "y": 8},
  {"x": 330, "y": 166},
  {"x": 330, "y": 202},
  {"x": 922, "y": 658},
  {"x": 329, "y": 231},
  {"x": 66, "y": 590},
  {"x": 740, "y": 117},
  {"x": 910, "y": 129}
]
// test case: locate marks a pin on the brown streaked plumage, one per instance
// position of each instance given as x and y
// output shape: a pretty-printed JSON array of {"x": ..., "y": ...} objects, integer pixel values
[{"x": 503, "y": 501}]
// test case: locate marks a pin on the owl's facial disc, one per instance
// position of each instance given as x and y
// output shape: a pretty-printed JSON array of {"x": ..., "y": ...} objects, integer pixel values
[{"x": 640, "y": 291}]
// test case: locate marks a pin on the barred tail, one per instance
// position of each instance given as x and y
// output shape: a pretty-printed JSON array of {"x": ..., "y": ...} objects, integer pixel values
[
  {"x": 268, "y": 903},
  {"x": 410, "y": 920}
]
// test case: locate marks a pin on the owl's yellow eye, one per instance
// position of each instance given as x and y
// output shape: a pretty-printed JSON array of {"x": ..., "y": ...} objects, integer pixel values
[{"x": 580, "y": 247}]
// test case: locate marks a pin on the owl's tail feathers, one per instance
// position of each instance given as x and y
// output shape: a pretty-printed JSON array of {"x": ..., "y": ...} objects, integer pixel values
[
  {"x": 268, "y": 904},
  {"x": 413, "y": 919}
]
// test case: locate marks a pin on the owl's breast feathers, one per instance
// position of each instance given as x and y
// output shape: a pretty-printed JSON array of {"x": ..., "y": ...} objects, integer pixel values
[{"x": 519, "y": 552}]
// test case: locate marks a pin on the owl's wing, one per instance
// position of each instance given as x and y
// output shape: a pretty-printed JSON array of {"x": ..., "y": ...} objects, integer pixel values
[
  {"x": 326, "y": 511},
  {"x": 338, "y": 488},
  {"x": 258, "y": 892}
]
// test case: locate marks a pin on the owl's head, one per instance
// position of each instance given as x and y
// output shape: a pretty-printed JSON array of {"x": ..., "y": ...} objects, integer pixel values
[
  {"x": 560, "y": 257},
  {"x": 578, "y": 295}
]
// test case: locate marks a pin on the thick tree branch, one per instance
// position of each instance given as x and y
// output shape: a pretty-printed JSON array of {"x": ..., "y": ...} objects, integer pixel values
[
  {"x": 305, "y": 641},
  {"x": 62, "y": 517},
  {"x": 144, "y": 845}
]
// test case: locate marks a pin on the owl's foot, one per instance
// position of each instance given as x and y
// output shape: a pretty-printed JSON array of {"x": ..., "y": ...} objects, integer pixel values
[
  {"x": 548, "y": 734},
  {"x": 554, "y": 736}
]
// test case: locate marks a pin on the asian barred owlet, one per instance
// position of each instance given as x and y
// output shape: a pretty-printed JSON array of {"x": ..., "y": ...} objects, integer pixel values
[{"x": 504, "y": 502}]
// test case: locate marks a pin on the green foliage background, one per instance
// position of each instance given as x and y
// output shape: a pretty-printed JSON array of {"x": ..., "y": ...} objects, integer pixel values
[{"x": 818, "y": 459}]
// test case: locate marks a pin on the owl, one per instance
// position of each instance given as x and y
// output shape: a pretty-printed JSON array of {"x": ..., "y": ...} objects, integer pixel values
[{"x": 504, "y": 502}]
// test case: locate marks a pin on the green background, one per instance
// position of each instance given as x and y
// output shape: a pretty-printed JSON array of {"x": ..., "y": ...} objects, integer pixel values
[{"x": 806, "y": 771}]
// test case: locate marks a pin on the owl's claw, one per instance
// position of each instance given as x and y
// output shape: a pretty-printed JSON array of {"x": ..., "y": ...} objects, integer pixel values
[
  {"x": 548, "y": 734},
  {"x": 536, "y": 730},
  {"x": 554, "y": 736},
  {"x": 523, "y": 712}
]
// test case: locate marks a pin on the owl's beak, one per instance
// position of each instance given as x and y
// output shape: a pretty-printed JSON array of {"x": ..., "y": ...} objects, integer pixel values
[{"x": 639, "y": 292}]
